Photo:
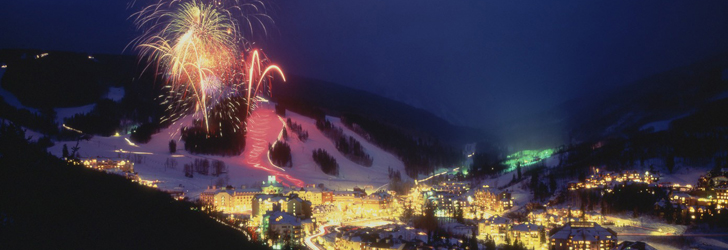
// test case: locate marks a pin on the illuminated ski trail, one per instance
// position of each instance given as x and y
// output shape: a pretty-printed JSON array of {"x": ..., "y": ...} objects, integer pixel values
[{"x": 257, "y": 157}]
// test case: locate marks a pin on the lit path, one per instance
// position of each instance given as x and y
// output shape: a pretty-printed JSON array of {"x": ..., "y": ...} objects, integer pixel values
[
  {"x": 309, "y": 240},
  {"x": 380, "y": 187},
  {"x": 435, "y": 175},
  {"x": 322, "y": 230},
  {"x": 258, "y": 124}
]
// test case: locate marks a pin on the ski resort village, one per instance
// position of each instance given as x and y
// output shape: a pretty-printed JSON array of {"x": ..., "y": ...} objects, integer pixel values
[
  {"x": 522, "y": 203},
  {"x": 364, "y": 125}
]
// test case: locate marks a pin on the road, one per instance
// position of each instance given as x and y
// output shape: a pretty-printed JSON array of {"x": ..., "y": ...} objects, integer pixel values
[{"x": 309, "y": 240}]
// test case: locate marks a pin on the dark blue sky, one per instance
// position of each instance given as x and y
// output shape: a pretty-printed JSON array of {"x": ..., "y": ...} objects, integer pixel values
[{"x": 475, "y": 61}]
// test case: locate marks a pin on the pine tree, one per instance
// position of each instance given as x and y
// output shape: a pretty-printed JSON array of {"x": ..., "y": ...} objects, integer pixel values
[
  {"x": 542, "y": 235},
  {"x": 490, "y": 245},
  {"x": 473, "y": 241},
  {"x": 65, "y": 151},
  {"x": 552, "y": 183},
  {"x": 172, "y": 146}
]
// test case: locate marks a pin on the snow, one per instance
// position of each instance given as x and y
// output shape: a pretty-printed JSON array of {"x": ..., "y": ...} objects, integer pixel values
[
  {"x": 10, "y": 98},
  {"x": 115, "y": 93},
  {"x": 253, "y": 165},
  {"x": 711, "y": 243},
  {"x": 684, "y": 175},
  {"x": 657, "y": 126},
  {"x": 662, "y": 244},
  {"x": 62, "y": 113},
  {"x": 553, "y": 161},
  {"x": 661, "y": 125},
  {"x": 676, "y": 243}
]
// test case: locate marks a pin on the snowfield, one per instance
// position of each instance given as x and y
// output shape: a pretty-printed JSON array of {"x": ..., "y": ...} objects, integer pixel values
[
  {"x": 253, "y": 165},
  {"x": 115, "y": 94},
  {"x": 661, "y": 125}
]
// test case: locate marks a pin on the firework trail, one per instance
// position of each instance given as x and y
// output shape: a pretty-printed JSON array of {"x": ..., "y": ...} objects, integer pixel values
[
  {"x": 199, "y": 49},
  {"x": 254, "y": 72}
]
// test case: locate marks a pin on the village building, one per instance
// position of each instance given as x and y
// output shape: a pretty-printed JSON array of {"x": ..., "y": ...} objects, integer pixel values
[{"x": 582, "y": 236}]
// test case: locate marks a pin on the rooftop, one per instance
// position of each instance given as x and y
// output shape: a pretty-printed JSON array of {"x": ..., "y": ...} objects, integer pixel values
[
  {"x": 278, "y": 218},
  {"x": 583, "y": 231}
]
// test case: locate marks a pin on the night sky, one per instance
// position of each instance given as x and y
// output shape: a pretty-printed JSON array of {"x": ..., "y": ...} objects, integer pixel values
[{"x": 473, "y": 62}]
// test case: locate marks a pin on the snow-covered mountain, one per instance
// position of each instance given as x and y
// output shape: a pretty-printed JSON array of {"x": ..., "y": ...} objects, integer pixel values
[
  {"x": 254, "y": 164},
  {"x": 648, "y": 103}
]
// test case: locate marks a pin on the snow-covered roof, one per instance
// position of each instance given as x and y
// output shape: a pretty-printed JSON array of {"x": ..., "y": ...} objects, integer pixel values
[
  {"x": 526, "y": 227},
  {"x": 311, "y": 189},
  {"x": 497, "y": 220},
  {"x": 279, "y": 218},
  {"x": 270, "y": 197},
  {"x": 344, "y": 193},
  {"x": 583, "y": 231},
  {"x": 638, "y": 245},
  {"x": 682, "y": 195}
]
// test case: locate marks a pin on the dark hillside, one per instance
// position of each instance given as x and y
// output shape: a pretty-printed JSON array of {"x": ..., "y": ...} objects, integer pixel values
[
  {"x": 624, "y": 110},
  {"x": 336, "y": 100},
  {"x": 64, "y": 79},
  {"x": 47, "y": 204}
]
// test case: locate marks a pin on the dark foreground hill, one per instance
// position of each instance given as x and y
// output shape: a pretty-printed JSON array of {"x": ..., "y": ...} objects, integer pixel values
[{"x": 47, "y": 204}]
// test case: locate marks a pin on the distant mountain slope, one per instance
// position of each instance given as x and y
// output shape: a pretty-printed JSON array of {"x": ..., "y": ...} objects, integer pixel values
[
  {"x": 63, "y": 79},
  {"x": 625, "y": 110},
  {"x": 336, "y": 99},
  {"x": 662, "y": 96}
]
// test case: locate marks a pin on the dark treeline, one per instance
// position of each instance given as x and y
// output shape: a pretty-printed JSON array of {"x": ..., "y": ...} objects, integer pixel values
[
  {"x": 354, "y": 150},
  {"x": 486, "y": 164},
  {"x": 297, "y": 129},
  {"x": 197, "y": 141},
  {"x": 60, "y": 79},
  {"x": 640, "y": 199},
  {"x": 637, "y": 198},
  {"x": 698, "y": 139},
  {"x": 326, "y": 162},
  {"x": 205, "y": 167},
  {"x": 280, "y": 154},
  {"x": 226, "y": 131},
  {"x": 347, "y": 145},
  {"x": 541, "y": 189},
  {"x": 69, "y": 79},
  {"x": 143, "y": 133},
  {"x": 88, "y": 209},
  {"x": 102, "y": 120},
  {"x": 420, "y": 155},
  {"x": 43, "y": 122},
  {"x": 397, "y": 184}
]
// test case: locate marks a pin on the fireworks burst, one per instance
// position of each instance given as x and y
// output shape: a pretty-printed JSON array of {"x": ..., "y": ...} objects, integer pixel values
[
  {"x": 198, "y": 47},
  {"x": 258, "y": 74}
]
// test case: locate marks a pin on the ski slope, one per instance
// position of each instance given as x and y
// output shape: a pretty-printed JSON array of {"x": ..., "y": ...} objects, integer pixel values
[{"x": 253, "y": 165}]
